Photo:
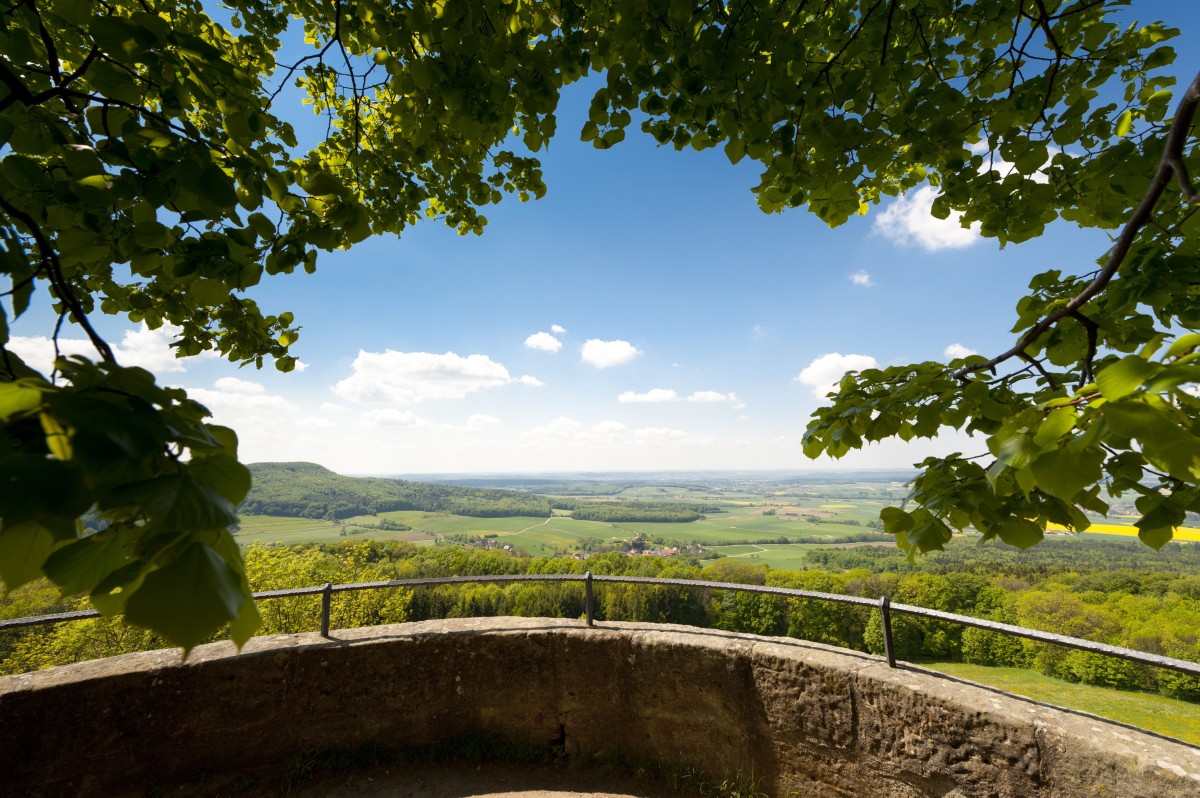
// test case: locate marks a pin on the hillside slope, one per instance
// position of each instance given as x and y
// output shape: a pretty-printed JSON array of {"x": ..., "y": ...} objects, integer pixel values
[{"x": 308, "y": 490}]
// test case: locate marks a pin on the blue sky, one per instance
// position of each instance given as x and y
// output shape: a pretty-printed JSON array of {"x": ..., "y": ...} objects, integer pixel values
[{"x": 644, "y": 315}]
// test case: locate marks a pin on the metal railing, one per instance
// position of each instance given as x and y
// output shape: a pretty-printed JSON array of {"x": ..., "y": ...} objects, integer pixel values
[{"x": 883, "y": 605}]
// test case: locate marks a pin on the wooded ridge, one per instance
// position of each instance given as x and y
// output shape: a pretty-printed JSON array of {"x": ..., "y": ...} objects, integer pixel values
[{"x": 308, "y": 490}]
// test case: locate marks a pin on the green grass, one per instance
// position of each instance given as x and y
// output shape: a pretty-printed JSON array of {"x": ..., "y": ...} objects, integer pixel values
[{"x": 1156, "y": 713}]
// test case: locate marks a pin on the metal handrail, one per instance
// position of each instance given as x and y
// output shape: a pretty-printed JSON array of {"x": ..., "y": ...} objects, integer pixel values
[{"x": 884, "y": 605}]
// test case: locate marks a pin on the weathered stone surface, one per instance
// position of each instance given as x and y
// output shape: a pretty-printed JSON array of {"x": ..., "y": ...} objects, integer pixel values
[{"x": 797, "y": 718}]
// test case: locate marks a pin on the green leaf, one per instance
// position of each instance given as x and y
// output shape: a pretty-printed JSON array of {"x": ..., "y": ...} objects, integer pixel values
[
  {"x": 23, "y": 549},
  {"x": 1118, "y": 380},
  {"x": 58, "y": 438},
  {"x": 188, "y": 599},
  {"x": 208, "y": 292},
  {"x": 1183, "y": 344},
  {"x": 178, "y": 503},
  {"x": 224, "y": 474},
  {"x": 1016, "y": 449},
  {"x": 1163, "y": 443},
  {"x": 928, "y": 532},
  {"x": 1124, "y": 123},
  {"x": 895, "y": 520},
  {"x": 1064, "y": 472},
  {"x": 1019, "y": 532},
  {"x": 113, "y": 591},
  {"x": 246, "y": 623},
  {"x": 1155, "y": 536},
  {"x": 1057, "y": 423},
  {"x": 50, "y": 492},
  {"x": 322, "y": 184},
  {"x": 80, "y": 566},
  {"x": 17, "y": 398}
]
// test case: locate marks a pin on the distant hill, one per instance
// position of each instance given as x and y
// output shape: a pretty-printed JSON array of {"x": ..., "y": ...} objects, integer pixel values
[{"x": 307, "y": 490}]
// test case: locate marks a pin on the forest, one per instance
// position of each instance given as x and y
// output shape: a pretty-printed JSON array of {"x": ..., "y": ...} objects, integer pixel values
[
  {"x": 1105, "y": 596},
  {"x": 630, "y": 512},
  {"x": 307, "y": 490}
]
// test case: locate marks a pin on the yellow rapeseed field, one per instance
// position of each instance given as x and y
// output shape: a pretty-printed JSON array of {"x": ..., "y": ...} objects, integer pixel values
[{"x": 1181, "y": 533}]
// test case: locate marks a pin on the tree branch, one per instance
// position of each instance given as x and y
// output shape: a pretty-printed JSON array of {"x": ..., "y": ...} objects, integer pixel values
[
  {"x": 887, "y": 33},
  {"x": 61, "y": 287},
  {"x": 1037, "y": 364},
  {"x": 1085, "y": 373},
  {"x": 335, "y": 38},
  {"x": 1171, "y": 159}
]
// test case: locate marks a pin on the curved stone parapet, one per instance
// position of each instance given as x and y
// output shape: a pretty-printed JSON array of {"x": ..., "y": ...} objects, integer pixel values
[{"x": 797, "y": 718}]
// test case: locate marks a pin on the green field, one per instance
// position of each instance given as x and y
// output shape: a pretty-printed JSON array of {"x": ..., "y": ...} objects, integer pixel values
[
  {"x": 1156, "y": 713},
  {"x": 538, "y": 537},
  {"x": 275, "y": 529},
  {"x": 804, "y": 521},
  {"x": 793, "y": 556},
  {"x": 748, "y": 522}
]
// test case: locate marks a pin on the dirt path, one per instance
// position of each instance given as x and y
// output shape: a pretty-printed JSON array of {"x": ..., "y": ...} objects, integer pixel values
[
  {"x": 747, "y": 553},
  {"x": 526, "y": 529}
]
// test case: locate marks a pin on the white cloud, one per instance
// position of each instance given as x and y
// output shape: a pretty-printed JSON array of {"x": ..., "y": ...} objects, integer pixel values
[
  {"x": 241, "y": 403},
  {"x": 759, "y": 332},
  {"x": 389, "y": 418},
  {"x": 38, "y": 351},
  {"x": 659, "y": 434},
  {"x": 824, "y": 372},
  {"x": 410, "y": 377},
  {"x": 652, "y": 395},
  {"x": 331, "y": 407},
  {"x": 314, "y": 422},
  {"x": 543, "y": 341},
  {"x": 566, "y": 429},
  {"x": 717, "y": 396},
  {"x": 610, "y": 434},
  {"x": 670, "y": 395},
  {"x": 481, "y": 420},
  {"x": 149, "y": 349},
  {"x": 993, "y": 162},
  {"x": 603, "y": 354},
  {"x": 909, "y": 221},
  {"x": 237, "y": 386},
  {"x": 861, "y": 278},
  {"x": 531, "y": 381},
  {"x": 955, "y": 351},
  {"x": 558, "y": 329}
]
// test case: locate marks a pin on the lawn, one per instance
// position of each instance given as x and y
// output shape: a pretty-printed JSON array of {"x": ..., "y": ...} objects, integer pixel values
[{"x": 1156, "y": 713}]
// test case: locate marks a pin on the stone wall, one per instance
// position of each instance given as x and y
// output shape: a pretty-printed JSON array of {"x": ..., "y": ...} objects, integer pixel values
[{"x": 803, "y": 719}]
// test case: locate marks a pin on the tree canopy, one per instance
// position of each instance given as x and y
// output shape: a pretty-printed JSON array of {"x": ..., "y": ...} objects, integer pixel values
[{"x": 148, "y": 169}]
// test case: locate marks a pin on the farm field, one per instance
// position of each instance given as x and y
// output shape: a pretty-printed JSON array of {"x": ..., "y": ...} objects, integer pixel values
[
  {"x": 277, "y": 529},
  {"x": 1129, "y": 530},
  {"x": 791, "y": 556},
  {"x": 1156, "y": 713},
  {"x": 800, "y": 514},
  {"x": 769, "y": 523},
  {"x": 538, "y": 537}
]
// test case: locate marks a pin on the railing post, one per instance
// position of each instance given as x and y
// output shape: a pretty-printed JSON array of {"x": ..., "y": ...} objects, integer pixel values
[
  {"x": 588, "y": 601},
  {"x": 885, "y": 618},
  {"x": 326, "y": 600}
]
